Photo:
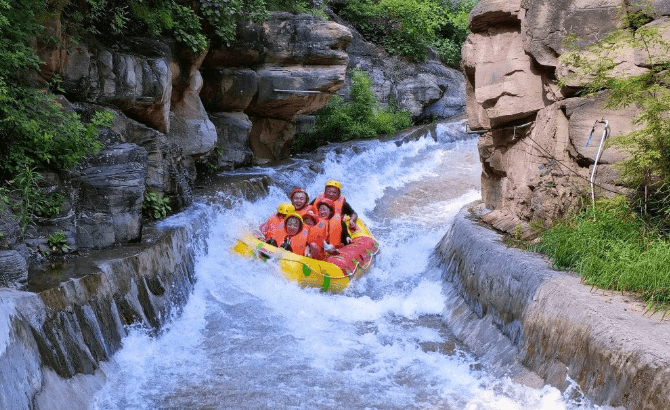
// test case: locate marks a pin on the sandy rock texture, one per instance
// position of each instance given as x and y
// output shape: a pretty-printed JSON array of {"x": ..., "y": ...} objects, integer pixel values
[{"x": 536, "y": 164}]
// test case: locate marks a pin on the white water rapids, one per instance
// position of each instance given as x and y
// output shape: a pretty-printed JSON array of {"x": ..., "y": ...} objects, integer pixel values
[{"x": 248, "y": 339}]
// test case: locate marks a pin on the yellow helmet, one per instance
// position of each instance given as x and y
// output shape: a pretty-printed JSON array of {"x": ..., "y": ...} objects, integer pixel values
[
  {"x": 297, "y": 215},
  {"x": 285, "y": 208},
  {"x": 334, "y": 183}
]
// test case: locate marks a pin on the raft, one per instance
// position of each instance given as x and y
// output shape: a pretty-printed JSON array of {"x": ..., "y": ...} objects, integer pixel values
[{"x": 331, "y": 275}]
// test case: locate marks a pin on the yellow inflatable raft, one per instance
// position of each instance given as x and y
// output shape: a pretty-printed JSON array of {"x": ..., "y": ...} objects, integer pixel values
[{"x": 331, "y": 275}]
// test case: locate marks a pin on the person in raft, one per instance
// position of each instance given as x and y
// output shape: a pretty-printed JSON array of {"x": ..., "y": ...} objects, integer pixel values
[
  {"x": 300, "y": 201},
  {"x": 334, "y": 232},
  {"x": 333, "y": 192},
  {"x": 292, "y": 235},
  {"x": 276, "y": 221},
  {"x": 316, "y": 236}
]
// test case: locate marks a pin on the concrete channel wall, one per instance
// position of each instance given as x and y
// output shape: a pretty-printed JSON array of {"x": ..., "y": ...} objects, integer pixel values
[{"x": 558, "y": 327}]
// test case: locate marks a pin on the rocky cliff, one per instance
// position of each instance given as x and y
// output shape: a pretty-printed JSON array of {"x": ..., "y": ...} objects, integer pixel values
[
  {"x": 536, "y": 165},
  {"x": 234, "y": 105}
]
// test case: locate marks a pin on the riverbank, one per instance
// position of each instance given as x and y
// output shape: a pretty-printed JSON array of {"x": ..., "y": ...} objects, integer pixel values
[{"x": 559, "y": 328}]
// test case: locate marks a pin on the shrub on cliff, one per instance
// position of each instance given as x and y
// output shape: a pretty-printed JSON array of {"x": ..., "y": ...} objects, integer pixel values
[
  {"x": 647, "y": 169},
  {"x": 191, "y": 24},
  {"x": 361, "y": 117},
  {"x": 408, "y": 27},
  {"x": 35, "y": 133}
]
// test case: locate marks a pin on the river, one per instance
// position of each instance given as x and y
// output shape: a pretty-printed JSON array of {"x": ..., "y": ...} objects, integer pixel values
[{"x": 248, "y": 339}]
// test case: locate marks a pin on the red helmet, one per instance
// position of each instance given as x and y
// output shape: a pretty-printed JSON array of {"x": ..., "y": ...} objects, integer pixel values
[
  {"x": 296, "y": 190},
  {"x": 310, "y": 215},
  {"x": 328, "y": 203}
]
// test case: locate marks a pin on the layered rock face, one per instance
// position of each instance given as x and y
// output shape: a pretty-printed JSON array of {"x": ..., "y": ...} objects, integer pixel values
[
  {"x": 232, "y": 106},
  {"x": 536, "y": 165}
]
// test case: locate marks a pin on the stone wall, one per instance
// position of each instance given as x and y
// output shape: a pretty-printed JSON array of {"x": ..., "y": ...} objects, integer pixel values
[
  {"x": 74, "y": 314},
  {"x": 555, "y": 325},
  {"x": 532, "y": 147}
]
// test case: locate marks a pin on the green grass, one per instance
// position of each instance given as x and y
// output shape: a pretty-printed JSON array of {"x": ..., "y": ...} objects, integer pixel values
[{"x": 611, "y": 247}]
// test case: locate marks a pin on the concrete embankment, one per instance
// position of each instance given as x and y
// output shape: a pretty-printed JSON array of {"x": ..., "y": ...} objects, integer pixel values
[{"x": 555, "y": 325}]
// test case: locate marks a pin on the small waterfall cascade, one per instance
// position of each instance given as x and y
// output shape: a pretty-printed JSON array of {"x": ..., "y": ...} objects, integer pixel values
[{"x": 232, "y": 333}]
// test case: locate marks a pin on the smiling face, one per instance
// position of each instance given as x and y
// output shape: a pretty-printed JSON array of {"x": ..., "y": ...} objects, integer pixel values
[
  {"x": 299, "y": 200},
  {"x": 292, "y": 225},
  {"x": 324, "y": 211},
  {"x": 331, "y": 193}
]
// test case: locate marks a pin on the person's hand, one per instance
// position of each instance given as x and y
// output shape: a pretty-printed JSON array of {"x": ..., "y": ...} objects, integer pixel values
[
  {"x": 348, "y": 240},
  {"x": 328, "y": 247}
]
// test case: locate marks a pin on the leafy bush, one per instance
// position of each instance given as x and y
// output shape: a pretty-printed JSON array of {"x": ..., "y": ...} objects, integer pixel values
[
  {"x": 407, "y": 27},
  {"x": 155, "y": 206},
  {"x": 612, "y": 247},
  {"x": 188, "y": 25},
  {"x": 361, "y": 117},
  {"x": 58, "y": 242},
  {"x": 35, "y": 133}
]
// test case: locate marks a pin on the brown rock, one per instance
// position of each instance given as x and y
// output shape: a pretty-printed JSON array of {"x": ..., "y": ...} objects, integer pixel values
[
  {"x": 270, "y": 139},
  {"x": 506, "y": 86}
]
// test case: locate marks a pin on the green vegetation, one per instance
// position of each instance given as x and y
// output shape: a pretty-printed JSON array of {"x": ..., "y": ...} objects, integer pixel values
[
  {"x": 361, "y": 117},
  {"x": 192, "y": 26},
  {"x": 155, "y": 206},
  {"x": 58, "y": 242},
  {"x": 622, "y": 244},
  {"x": 647, "y": 170},
  {"x": 613, "y": 247},
  {"x": 407, "y": 27},
  {"x": 35, "y": 133}
]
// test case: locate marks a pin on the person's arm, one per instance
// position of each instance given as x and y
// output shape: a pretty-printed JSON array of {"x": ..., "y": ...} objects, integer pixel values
[
  {"x": 345, "y": 238},
  {"x": 348, "y": 210}
]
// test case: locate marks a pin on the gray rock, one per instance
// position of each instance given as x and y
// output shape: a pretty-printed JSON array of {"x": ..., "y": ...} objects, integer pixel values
[
  {"x": 232, "y": 130},
  {"x": 10, "y": 228},
  {"x": 111, "y": 190},
  {"x": 13, "y": 268},
  {"x": 139, "y": 84},
  {"x": 549, "y": 21}
]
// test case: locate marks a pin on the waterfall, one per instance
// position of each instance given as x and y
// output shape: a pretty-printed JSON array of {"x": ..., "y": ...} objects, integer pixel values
[{"x": 247, "y": 338}]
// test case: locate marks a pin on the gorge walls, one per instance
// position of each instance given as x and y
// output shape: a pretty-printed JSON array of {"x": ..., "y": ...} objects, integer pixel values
[
  {"x": 178, "y": 114},
  {"x": 533, "y": 132}
]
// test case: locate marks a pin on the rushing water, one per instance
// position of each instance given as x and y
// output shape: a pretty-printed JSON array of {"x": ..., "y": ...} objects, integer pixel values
[{"x": 248, "y": 339}]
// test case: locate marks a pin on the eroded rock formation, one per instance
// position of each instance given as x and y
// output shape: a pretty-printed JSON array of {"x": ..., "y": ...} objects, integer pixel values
[{"x": 532, "y": 147}]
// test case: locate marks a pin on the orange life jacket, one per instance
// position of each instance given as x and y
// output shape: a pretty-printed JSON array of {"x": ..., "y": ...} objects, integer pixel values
[
  {"x": 304, "y": 210},
  {"x": 317, "y": 235},
  {"x": 337, "y": 204},
  {"x": 274, "y": 223},
  {"x": 298, "y": 241},
  {"x": 335, "y": 230}
]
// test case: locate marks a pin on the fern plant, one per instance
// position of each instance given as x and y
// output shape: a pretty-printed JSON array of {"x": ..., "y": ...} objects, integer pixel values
[{"x": 155, "y": 206}]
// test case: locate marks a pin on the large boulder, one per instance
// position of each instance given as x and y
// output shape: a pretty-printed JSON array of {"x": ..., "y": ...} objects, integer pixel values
[
  {"x": 138, "y": 81},
  {"x": 288, "y": 66},
  {"x": 535, "y": 162},
  {"x": 505, "y": 84},
  {"x": 547, "y": 22}
]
